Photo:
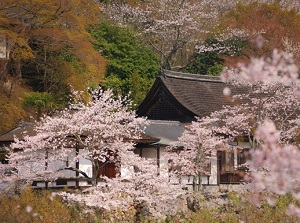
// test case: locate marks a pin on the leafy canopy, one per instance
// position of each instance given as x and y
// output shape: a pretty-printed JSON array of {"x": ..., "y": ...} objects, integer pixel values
[
  {"x": 132, "y": 67},
  {"x": 276, "y": 27},
  {"x": 39, "y": 33}
]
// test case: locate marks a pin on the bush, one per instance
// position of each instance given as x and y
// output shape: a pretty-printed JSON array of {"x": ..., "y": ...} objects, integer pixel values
[
  {"x": 41, "y": 102},
  {"x": 43, "y": 206},
  {"x": 38, "y": 206}
]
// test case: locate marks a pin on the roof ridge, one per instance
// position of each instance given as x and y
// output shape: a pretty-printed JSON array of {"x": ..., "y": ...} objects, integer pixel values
[
  {"x": 190, "y": 76},
  {"x": 169, "y": 122}
]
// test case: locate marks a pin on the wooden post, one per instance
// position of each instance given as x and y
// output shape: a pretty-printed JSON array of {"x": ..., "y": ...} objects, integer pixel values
[{"x": 77, "y": 165}]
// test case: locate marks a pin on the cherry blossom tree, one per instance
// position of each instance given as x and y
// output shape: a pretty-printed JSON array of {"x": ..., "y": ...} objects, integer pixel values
[
  {"x": 224, "y": 42},
  {"x": 171, "y": 28},
  {"x": 275, "y": 166},
  {"x": 260, "y": 101},
  {"x": 102, "y": 131},
  {"x": 153, "y": 193},
  {"x": 174, "y": 28},
  {"x": 267, "y": 114},
  {"x": 274, "y": 161},
  {"x": 191, "y": 154}
]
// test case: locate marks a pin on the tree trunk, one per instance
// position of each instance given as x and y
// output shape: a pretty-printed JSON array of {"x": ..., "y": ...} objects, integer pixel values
[
  {"x": 200, "y": 187},
  {"x": 95, "y": 167},
  {"x": 3, "y": 70},
  {"x": 18, "y": 71},
  {"x": 194, "y": 183}
]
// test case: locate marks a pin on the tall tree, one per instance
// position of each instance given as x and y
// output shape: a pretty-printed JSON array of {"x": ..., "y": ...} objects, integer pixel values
[
  {"x": 104, "y": 131},
  {"x": 274, "y": 161},
  {"x": 273, "y": 24},
  {"x": 132, "y": 67},
  {"x": 171, "y": 28},
  {"x": 268, "y": 114},
  {"x": 39, "y": 32}
]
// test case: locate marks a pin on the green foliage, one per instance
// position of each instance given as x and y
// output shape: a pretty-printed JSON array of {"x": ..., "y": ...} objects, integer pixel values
[
  {"x": 41, "y": 102},
  {"x": 79, "y": 66},
  {"x": 132, "y": 67},
  {"x": 211, "y": 62},
  {"x": 117, "y": 84},
  {"x": 238, "y": 209},
  {"x": 50, "y": 46},
  {"x": 139, "y": 86},
  {"x": 215, "y": 70},
  {"x": 11, "y": 109},
  {"x": 136, "y": 85},
  {"x": 206, "y": 63},
  {"x": 49, "y": 75},
  {"x": 3, "y": 157},
  {"x": 248, "y": 212}
]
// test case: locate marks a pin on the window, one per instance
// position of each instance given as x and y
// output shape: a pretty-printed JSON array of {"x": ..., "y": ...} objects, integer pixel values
[
  {"x": 242, "y": 156},
  {"x": 233, "y": 160},
  {"x": 226, "y": 161}
]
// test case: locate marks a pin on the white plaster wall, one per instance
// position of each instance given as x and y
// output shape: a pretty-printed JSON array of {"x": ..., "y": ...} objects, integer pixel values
[
  {"x": 71, "y": 183},
  {"x": 84, "y": 164},
  {"x": 126, "y": 171},
  {"x": 41, "y": 184},
  {"x": 57, "y": 165},
  {"x": 213, "y": 179},
  {"x": 163, "y": 163},
  {"x": 71, "y": 160},
  {"x": 243, "y": 145},
  {"x": 189, "y": 180},
  {"x": 151, "y": 153},
  {"x": 32, "y": 168},
  {"x": 83, "y": 184},
  {"x": 163, "y": 170}
]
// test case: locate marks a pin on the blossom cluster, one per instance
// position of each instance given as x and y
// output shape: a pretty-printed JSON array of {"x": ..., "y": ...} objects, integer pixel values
[
  {"x": 275, "y": 157},
  {"x": 100, "y": 132}
]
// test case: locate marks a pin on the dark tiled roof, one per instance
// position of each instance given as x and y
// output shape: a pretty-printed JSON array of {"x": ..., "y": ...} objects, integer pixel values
[
  {"x": 166, "y": 131},
  {"x": 19, "y": 132},
  {"x": 199, "y": 94}
]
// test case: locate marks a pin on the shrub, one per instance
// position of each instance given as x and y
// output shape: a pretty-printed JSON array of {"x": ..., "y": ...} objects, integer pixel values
[{"x": 38, "y": 206}]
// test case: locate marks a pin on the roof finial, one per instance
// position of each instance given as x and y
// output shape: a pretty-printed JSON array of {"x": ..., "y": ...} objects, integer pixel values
[
  {"x": 22, "y": 123},
  {"x": 161, "y": 72}
]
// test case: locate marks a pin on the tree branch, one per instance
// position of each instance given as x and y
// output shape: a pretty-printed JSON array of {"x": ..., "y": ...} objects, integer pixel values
[{"x": 78, "y": 171}]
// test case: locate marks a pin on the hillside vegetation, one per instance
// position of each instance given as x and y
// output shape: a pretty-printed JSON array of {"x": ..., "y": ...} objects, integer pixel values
[
  {"x": 11, "y": 110},
  {"x": 49, "y": 49},
  {"x": 54, "y": 46}
]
